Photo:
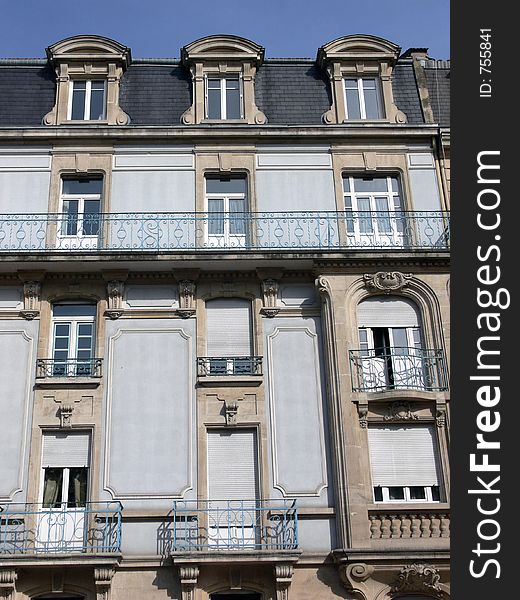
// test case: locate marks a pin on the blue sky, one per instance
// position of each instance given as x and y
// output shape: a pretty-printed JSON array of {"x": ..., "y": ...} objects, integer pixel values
[{"x": 159, "y": 28}]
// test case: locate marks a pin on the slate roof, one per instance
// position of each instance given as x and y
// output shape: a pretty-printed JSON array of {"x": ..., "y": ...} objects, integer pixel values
[
  {"x": 288, "y": 91},
  {"x": 438, "y": 80}
]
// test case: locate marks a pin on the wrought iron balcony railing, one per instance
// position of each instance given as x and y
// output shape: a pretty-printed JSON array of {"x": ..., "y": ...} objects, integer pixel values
[
  {"x": 234, "y": 525},
  {"x": 52, "y": 367},
  {"x": 94, "y": 528},
  {"x": 181, "y": 232},
  {"x": 229, "y": 365},
  {"x": 398, "y": 369}
]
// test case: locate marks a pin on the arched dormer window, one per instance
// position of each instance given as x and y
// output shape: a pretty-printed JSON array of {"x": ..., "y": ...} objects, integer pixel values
[
  {"x": 360, "y": 70},
  {"x": 223, "y": 70},
  {"x": 88, "y": 72}
]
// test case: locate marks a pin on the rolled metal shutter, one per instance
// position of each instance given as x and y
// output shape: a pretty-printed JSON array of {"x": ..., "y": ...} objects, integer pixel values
[{"x": 65, "y": 450}]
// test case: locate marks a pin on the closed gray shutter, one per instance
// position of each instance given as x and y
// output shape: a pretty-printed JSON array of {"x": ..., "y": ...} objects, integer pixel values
[
  {"x": 402, "y": 455},
  {"x": 387, "y": 312},
  {"x": 232, "y": 469},
  {"x": 228, "y": 327},
  {"x": 65, "y": 450}
]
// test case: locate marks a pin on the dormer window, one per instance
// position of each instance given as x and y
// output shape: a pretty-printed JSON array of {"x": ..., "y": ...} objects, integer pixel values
[
  {"x": 87, "y": 101},
  {"x": 88, "y": 73},
  {"x": 360, "y": 72},
  {"x": 224, "y": 98},
  {"x": 362, "y": 98},
  {"x": 223, "y": 70}
]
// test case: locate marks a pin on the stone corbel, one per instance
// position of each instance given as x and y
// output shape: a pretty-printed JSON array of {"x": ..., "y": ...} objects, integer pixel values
[
  {"x": 115, "y": 291},
  {"x": 270, "y": 291},
  {"x": 231, "y": 410},
  {"x": 354, "y": 576},
  {"x": 66, "y": 411},
  {"x": 187, "y": 289},
  {"x": 440, "y": 414},
  {"x": 386, "y": 282},
  {"x": 7, "y": 583},
  {"x": 31, "y": 300},
  {"x": 103, "y": 580},
  {"x": 188, "y": 577},
  {"x": 362, "y": 408},
  {"x": 283, "y": 576},
  {"x": 421, "y": 579}
]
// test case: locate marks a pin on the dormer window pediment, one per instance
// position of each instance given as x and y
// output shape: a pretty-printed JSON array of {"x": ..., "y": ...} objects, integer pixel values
[{"x": 88, "y": 71}]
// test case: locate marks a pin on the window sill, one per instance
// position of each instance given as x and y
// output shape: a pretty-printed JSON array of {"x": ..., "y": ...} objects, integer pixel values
[
  {"x": 230, "y": 380},
  {"x": 69, "y": 382},
  {"x": 223, "y": 121},
  {"x": 85, "y": 122},
  {"x": 411, "y": 507}
]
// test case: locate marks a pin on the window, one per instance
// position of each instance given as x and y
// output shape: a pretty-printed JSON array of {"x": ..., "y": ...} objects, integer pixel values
[
  {"x": 373, "y": 210},
  {"x": 73, "y": 340},
  {"x": 404, "y": 463},
  {"x": 229, "y": 338},
  {"x": 227, "y": 205},
  {"x": 224, "y": 98},
  {"x": 80, "y": 207},
  {"x": 363, "y": 98},
  {"x": 390, "y": 345},
  {"x": 87, "y": 100}
]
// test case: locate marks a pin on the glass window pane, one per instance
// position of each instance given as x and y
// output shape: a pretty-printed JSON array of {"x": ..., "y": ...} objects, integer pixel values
[
  {"x": 74, "y": 310},
  {"x": 69, "y": 225},
  {"x": 77, "y": 492},
  {"x": 237, "y": 221},
  {"x": 232, "y": 101},
  {"x": 396, "y": 493},
  {"x": 214, "y": 108},
  {"x": 61, "y": 343},
  {"x": 216, "y": 217},
  {"x": 62, "y": 329},
  {"x": 52, "y": 488},
  {"x": 346, "y": 184},
  {"x": 97, "y": 103},
  {"x": 353, "y": 106},
  {"x": 400, "y": 340},
  {"x": 84, "y": 343},
  {"x": 417, "y": 493},
  {"x": 384, "y": 224},
  {"x": 214, "y": 84},
  {"x": 372, "y": 104},
  {"x": 378, "y": 494},
  {"x": 81, "y": 187},
  {"x": 436, "y": 493},
  {"x": 351, "y": 84},
  {"x": 365, "y": 217},
  {"x": 229, "y": 185},
  {"x": 78, "y": 101},
  {"x": 91, "y": 217},
  {"x": 370, "y": 184},
  {"x": 85, "y": 329}
]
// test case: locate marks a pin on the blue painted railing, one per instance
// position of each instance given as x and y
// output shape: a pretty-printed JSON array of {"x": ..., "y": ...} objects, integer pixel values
[
  {"x": 35, "y": 529},
  {"x": 179, "y": 232},
  {"x": 234, "y": 525},
  {"x": 229, "y": 365},
  {"x": 71, "y": 367}
]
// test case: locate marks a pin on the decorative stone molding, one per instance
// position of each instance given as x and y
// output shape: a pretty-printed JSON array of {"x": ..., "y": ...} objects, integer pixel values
[
  {"x": 440, "y": 417},
  {"x": 418, "y": 578},
  {"x": 188, "y": 576},
  {"x": 283, "y": 576},
  {"x": 386, "y": 281},
  {"x": 85, "y": 57},
  {"x": 354, "y": 576},
  {"x": 358, "y": 56},
  {"x": 218, "y": 56},
  {"x": 103, "y": 580},
  {"x": 31, "y": 300},
  {"x": 400, "y": 411},
  {"x": 66, "y": 411},
  {"x": 270, "y": 290},
  {"x": 231, "y": 410},
  {"x": 187, "y": 290},
  {"x": 7, "y": 583},
  {"x": 115, "y": 291}
]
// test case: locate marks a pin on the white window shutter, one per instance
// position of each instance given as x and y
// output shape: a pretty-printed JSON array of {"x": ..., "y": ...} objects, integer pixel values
[
  {"x": 228, "y": 327},
  {"x": 387, "y": 312},
  {"x": 65, "y": 450},
  {"x": 232, "y": 464},
  {"x": 403, "y": 455}
]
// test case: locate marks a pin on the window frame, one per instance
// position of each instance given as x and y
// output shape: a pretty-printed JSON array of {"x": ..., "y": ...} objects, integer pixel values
[
  {"x": 362, "y": 99},
  {"x": 87, "y": 107},
  {"x": 227, "y": 237},
  {"x": 223, "y": 96},
  {"x": 87, "y": 240}
]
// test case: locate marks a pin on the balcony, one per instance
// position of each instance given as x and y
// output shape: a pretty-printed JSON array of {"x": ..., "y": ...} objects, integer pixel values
[
  {"x": 229, "y": 365},
  {"x": 33, "y": 529},
  {"x": 216, "y": 232},
  {"x": 410, "y": 524},
  {"x": 234, "y": 525},
  {"x": 385, "y": 369},
  {"x": 50, "y": 367}
]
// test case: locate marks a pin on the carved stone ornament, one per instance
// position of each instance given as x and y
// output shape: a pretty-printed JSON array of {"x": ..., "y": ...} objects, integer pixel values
[
  {"x": 418, "y": 578},
  {"x": 31, "y": 300},
  {"x": 283, "y": 575},
  {"x": 7, "y": 583},
  {"x": 354, "y": 576},
  {"x": 363, "y": 415},
  {"x": 400, "y": 411},
  {"x": 270, "y": 289},
  {"x": 188, "y": 577},
  {"x": 66, "y": 411},
  {"x": 115, "y": 290},
  {"x": 231, "y": 409},
  {"x": 387, "y": 281},
  {"x": 440, "y": 417},
  {"x": 186, "y": 298},
  {"x": 103, "y": 580}
]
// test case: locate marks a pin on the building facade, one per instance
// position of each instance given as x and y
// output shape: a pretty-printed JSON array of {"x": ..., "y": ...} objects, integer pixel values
[{"x": 224, "y": 323}]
